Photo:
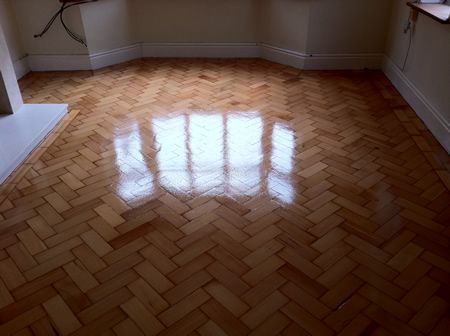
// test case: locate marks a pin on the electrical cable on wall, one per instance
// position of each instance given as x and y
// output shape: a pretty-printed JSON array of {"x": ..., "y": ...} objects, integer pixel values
[
  {"x": 59, "y": 14},
  {"x": 408, "y": 28},
  {"x": 409, "y": 45}
]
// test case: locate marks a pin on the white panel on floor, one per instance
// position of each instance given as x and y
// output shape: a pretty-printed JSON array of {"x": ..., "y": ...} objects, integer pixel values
[{"x": 22, "y": 131}]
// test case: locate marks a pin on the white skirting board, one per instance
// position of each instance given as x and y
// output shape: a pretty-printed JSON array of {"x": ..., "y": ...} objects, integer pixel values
[
  {"x": 22, "y": 131},
  {"x": 198, "y": 50},
  {"x": 116, "y": 56},
  {"x": 321, "y": 61},
  {"x": 432, "y": 118},
  {"x": 201, "y": 50},
  {"x": 59, "y": 62},
  {"x": 343, "y": 61},
  {"x": 283, "y": 56}
]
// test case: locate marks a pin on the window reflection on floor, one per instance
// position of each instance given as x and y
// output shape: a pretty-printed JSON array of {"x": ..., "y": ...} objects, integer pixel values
[
  {"x": 282, "y": 162},
  {"x": 244, "y": 146},
  {"x": 173, "y": 148},
  {"x": 135, "y": 177},
  {"x": 233, "y": 153},
  {"x": 206, "y": 144}
]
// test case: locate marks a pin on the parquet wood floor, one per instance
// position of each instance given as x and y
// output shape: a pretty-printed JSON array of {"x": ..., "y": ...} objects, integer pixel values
[{"x": 237, "y": 197}]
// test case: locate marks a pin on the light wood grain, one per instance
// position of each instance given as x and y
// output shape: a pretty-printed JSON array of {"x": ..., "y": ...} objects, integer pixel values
[{"x": 227, "y": 197}]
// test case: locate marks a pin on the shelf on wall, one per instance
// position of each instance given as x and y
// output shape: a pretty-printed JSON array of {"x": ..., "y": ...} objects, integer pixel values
[{"x": 438, "y": 12}]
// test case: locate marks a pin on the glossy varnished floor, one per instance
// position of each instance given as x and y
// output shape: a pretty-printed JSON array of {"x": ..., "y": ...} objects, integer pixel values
[{"x": 228, "y": 198}]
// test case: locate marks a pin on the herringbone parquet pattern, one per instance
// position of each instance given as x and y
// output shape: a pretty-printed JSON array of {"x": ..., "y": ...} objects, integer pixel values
[{"x": 202, "y": 197}]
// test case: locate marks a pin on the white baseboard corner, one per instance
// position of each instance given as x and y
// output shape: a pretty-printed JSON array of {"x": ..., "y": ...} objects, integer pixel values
[
  {"x": 115, "y": 56},
  {"x": 321, "y": 61},
  {"x": 21, "y": 67},
  {"x": 432, "y": 118},
  {"x": 283, "y": 56}
]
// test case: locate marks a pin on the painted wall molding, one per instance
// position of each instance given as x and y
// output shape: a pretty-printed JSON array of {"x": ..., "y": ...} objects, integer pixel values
[
  {"x": 432, "y": 118},
  {"x": 283, "y": 56},
  {"x": 343, "y": 61},
  {"x": 321, "y": 61},
  {"x": 200, "y": 50},
  {"x": 59, "y": 62},
  {"x": 115, "y": 56}
]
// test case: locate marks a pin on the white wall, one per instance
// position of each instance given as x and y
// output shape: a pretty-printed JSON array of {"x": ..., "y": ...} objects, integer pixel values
[
  {"x": 425, "y": 81},
  {"x": 348, "y": 26},
  {"x": 108, "y": 25},
  {"x": 284, "y": 23},
  {"x": 194, "y": 21},
  {"x": 303, "y": 26},
  {"x": 32, "y": 16},
  {"x": 325, "y": 26},
  {"x": 10, "y": 30},
  {"x": 324, "y": 34},
  {"x": 10, "y": 96}
]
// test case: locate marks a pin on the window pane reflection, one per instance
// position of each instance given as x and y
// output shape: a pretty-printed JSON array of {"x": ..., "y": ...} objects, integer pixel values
[
  {"x": 244, "y": 148},
  {"x": 207, "y": 151},
  {"x": 172, "y": 157},
  {"x": 197, "y": 153},
  {"x": 282, "y": 156},
  {"x": 135, "y": 178}
]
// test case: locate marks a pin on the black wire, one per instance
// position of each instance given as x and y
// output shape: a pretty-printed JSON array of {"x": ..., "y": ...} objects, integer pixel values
[
  {"x": 69, "y": 32},
  {"x": 408, "y": 50},
  {"x": 50, "y": 23},
  {"x": 59, "y": 13}
]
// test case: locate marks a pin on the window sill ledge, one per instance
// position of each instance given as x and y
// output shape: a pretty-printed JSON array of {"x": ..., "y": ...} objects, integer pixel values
[{"x": 438, "y": 12}]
